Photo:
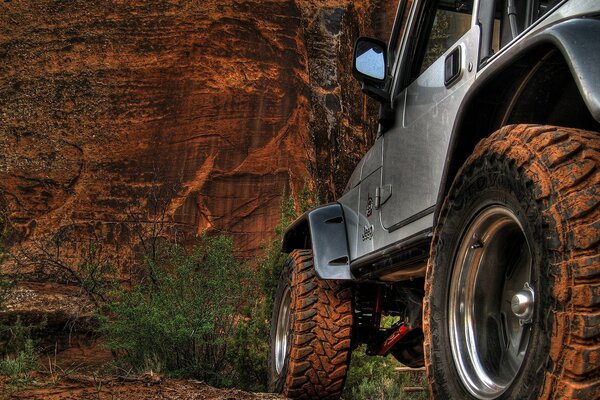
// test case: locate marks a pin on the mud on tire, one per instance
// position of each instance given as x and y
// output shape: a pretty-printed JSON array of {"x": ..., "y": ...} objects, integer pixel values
[
  {"x": 549, "y": 178},
  {"x": 318, "y": 350}
]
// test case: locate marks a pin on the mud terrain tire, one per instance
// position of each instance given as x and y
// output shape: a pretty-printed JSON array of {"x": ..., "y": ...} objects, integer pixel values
[
  {"x": 549, "y": 179},
  {"x": 320, "y": 324}
]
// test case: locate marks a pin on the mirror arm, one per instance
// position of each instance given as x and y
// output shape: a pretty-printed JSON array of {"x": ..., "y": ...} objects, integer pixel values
[
  {"x": 374, "y": 92},
  {"x": 387, "y": 117}
]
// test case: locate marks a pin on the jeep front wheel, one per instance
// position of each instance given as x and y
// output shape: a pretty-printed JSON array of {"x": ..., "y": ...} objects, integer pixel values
[
  {"x": 512, "y": 283},
  {"x": 311, "y": 331}
]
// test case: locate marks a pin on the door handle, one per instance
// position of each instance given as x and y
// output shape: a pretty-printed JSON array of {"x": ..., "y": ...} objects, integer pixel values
[{"x": 452, "y": 66}]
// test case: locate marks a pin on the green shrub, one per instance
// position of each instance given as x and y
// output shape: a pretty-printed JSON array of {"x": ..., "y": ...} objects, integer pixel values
[
  {"x": 181, "y": 319},
  {"x": 21, "y": 363},
  {"x": 251, "y": 344},
  {"x": 93, "y": 273},
  {"x": 273, "y": 260},
  {"x": 14, "y": 336},
  {"x": 380, "y": 388},
  {"x": 249, "y": 349},
  {"x": 17, "y": 350},
  {"x": 200, "y": 313},
  {"x": 373, "y": 377}
]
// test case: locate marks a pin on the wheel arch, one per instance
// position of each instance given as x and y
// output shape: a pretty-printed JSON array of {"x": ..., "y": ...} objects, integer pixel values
[
  {"x": 549, "y": 78},
  {"x": 323, "y": 230},
  {"x": 297, "y": 235}
]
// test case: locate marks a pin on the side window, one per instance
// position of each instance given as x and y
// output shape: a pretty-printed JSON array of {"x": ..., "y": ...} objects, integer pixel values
[
  {"x": 511, "y": 17},
  {"x": 452, "y": 19},
  {"x": 400, "y": 25},
  {"x": 541, "y": 7}
]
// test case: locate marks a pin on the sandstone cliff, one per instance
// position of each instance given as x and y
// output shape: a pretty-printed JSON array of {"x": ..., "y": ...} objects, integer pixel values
[
  {"x": 173, "y": 117},
  {"x": 215, "y": 107}
]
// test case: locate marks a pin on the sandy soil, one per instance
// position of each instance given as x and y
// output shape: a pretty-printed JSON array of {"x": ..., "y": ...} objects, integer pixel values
[{"x": 84, "y": 387}]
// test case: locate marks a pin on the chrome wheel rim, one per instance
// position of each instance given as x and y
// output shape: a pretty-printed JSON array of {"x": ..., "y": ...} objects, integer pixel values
[
  {"x": 283, "y": 331},
  {"x": 491, "y": 302}
]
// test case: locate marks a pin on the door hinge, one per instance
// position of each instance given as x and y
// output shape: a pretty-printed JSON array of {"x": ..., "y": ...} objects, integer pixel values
[{"x": 382, "y": 194}]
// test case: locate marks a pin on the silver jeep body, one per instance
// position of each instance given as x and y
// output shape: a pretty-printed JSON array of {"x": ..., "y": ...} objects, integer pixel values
[{"x": 381, "y": 227}]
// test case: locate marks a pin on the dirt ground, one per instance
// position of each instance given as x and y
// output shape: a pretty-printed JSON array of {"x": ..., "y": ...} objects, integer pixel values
[{"x": 147, "y": 387}]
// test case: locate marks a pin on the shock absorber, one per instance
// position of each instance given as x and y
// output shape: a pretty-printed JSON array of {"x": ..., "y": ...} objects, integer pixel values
[{"x": 377, "y": 308}]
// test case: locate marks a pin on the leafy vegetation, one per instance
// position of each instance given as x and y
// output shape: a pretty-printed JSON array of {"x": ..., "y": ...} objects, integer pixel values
[
  {"x": 18, "y": 366},
  {"x": 181, "y": 318},
  {"x": 194, "y": 312},
  {"x": 200, "y": 312},
  {"x": 17, "y": 350},
  {"x": 251, "y": 345},
  {"x": 373, "y": 377}
]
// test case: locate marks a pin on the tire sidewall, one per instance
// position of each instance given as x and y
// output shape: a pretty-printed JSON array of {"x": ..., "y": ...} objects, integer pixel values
[
  {"x": 276, "y": 380},
  {"x": 483, "y": 185}
]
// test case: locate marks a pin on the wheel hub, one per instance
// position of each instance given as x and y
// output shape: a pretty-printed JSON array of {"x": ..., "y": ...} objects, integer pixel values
[
  {"x": 491, "y": 303},
  {"x": 522, "y": 304}
]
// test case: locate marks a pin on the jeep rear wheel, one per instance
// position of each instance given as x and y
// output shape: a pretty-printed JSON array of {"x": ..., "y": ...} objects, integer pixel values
[
  {"x": 311, "y": 331},
  {"x": 511, "y": 303}
]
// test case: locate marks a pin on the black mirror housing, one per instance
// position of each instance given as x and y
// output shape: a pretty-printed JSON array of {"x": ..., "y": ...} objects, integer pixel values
[{"x": 369, "y": 66}]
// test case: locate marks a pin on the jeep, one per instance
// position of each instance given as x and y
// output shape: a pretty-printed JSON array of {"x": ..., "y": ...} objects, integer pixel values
[{"x": 472, "y": 225}]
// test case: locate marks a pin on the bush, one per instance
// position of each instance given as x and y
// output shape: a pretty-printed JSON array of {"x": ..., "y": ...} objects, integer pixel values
[
  {"x": 20, "y": 364},
  {"x": 200, "y": 313},
  {"x": 249, "y": 349},
  {"x": 251, "y": 346},
  {"x": 181, "y": 319},
  {"x": 373, "y": 377},
  {"x": 17, "y": 349}
]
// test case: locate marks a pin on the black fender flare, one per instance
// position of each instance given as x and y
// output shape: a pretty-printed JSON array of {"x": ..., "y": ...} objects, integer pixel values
[
  {"x": 579, "y": 42},
  {"x": 323, "y": 230}
]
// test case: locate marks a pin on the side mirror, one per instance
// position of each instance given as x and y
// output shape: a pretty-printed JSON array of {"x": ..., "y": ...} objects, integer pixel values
[{"x": 369, "y": 66}]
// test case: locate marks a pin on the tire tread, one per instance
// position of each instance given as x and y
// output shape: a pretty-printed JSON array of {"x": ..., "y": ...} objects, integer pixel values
[
  {"x": 322, "y": 333},
  {"x": 562, "y": 166}
]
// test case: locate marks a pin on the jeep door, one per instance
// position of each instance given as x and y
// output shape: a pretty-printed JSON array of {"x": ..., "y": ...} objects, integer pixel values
[{"x": 433, "y": 69}]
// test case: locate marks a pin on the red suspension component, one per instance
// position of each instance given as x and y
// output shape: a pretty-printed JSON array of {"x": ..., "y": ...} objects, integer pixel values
[
  {"x": 391, "y": 341},
  {"x": 398, "y": 333}
]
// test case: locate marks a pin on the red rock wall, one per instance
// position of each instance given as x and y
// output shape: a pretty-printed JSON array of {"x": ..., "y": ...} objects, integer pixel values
[
  {"x": 113, "y": 112},
  {"x": 342, "y": 120}
]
